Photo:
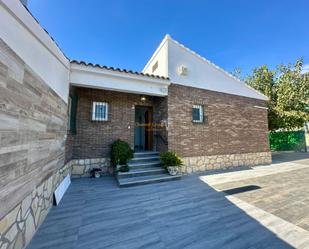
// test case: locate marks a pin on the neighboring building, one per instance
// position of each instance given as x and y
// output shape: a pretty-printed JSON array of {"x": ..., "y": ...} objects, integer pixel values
[{"x": 206, "y": 115}]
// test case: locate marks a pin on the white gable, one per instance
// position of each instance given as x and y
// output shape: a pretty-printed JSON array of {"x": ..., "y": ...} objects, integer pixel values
[
  {"x": 185, "y": 67},
  {"x": 159, "y": 57}
]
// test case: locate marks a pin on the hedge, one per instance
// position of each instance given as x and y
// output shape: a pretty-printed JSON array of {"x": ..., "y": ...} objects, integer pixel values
[{"x": 287, "y": 140}]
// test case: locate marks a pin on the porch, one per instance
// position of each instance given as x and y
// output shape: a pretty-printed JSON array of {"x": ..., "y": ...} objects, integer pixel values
[{"x": 107, "y": 104}]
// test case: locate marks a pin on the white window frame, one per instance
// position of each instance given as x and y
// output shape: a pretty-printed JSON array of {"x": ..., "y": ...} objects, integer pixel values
[
  {"x": 94, "y": 116},
  {"x": 201, "y": 112}
]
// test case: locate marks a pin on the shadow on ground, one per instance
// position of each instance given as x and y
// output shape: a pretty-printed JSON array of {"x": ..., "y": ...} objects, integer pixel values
[
  {"x": 293, "y": 157},
  {"x": 95, "y": 213}
]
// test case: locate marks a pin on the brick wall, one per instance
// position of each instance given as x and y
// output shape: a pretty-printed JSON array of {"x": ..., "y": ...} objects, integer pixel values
[
  {"x": 160, "y": 118},
  {"x": 234, "y": 126},
  {"x": 93, "y": 139}
]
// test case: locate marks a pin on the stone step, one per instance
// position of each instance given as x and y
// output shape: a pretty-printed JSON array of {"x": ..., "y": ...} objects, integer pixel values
[
  {"x": 146, "y": 154},
  {"x": 141, "y": 172},
  {"x": 142, "y": 180},
  {"x": 139, "y": 165},
  {"x": 144, "y": 159}
]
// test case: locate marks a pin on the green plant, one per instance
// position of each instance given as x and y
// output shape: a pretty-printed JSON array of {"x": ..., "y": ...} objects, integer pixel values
[
  {"x": 288, "y": 91},
  {"x": 170, "y": 159},
  {"x": 287, "y": 140},
  {"x": 121, "y": 152}
]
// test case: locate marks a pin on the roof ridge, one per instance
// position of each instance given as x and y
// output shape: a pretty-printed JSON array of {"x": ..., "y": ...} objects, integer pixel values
[
  {"x": 168, "y": 37},
  {"x": 118, "y": 69}
]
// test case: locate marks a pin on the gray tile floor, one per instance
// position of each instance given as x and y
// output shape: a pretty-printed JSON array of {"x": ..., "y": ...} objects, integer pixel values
[
  {"x": 283, "y": 194},
  {"x": 95, "y": 213}
]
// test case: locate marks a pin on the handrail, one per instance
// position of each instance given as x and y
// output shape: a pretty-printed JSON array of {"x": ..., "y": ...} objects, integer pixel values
[{"x": 162, "y": 138}]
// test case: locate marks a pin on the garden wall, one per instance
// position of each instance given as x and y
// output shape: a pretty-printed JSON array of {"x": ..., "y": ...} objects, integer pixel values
[{"x": 33, "y": 117}]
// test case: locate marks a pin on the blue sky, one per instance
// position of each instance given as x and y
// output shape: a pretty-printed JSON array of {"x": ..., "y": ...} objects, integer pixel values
[{"x": 232, "y": 34}]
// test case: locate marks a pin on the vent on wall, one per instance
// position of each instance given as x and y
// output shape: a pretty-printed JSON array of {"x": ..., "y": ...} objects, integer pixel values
[
  {"x": 155, "y": 66},
  {"x": 182, "y": 70}
]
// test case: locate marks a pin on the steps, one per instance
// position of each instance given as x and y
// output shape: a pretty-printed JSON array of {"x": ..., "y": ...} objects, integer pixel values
[{"x": 145, "y": 168}]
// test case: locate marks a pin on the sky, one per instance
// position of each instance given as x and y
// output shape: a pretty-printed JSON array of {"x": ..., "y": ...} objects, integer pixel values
[{"x": 231, "y": 33}]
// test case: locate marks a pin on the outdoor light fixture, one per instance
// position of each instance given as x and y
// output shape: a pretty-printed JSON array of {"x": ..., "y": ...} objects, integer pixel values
[{"x": 143, "y": 98}]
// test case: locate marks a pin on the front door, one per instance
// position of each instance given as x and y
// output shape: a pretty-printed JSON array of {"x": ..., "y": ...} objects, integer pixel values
[{"x": 143, "y": 135}]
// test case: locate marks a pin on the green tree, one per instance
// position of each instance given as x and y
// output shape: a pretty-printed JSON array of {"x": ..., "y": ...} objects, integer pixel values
[{"x": 288, "y": 92}]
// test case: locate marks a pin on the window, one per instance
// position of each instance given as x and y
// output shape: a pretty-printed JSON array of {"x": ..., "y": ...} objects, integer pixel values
[
  {"x": 100, "y": 111},
  {"x": 197, "y": 114}
]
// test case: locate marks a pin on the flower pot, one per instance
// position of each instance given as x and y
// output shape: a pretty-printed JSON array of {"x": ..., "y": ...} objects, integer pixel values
[
  {"x": 97, "y": 174},
  {"x": 173, "y": 170}
]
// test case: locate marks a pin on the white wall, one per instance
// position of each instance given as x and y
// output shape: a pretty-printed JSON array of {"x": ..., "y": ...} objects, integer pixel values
[
  {"x": 160, "y": 56},
  {"x": 93, "y": 77},
  {"x": 30, "y": 42},
  {"x": 201, "y": 73}
]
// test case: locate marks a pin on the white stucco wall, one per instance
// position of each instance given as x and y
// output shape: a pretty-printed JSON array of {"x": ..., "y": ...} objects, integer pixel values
[
  {"x": 29, "y": 41},
  {"x": 200, "y": 72},
  {"x": 160, "y": 56},
  {"x": 94, "y": 77}
]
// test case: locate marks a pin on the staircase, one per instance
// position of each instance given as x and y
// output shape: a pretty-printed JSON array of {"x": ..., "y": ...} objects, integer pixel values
[{"x": 145, "y": 168}]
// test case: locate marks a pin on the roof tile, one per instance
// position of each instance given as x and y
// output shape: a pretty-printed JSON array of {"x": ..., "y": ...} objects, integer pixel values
[{"x": 119, "y": 70}]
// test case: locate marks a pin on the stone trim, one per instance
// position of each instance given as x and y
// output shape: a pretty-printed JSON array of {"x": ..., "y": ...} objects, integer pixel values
[
  {"x": 82, "y": 167},
  {"x": 20, "y": 224},
  {"x": 202, "y": 163}
]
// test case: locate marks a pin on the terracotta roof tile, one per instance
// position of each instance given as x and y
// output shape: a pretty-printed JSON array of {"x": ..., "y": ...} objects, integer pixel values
[{"x": 119, "y": 70}]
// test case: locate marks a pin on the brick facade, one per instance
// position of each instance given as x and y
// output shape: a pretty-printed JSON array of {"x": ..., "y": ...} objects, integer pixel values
[
  {"x": 93, "y": 139},
  {"x": 233, "y": 126},
  {"x": 234, "y": 134}
]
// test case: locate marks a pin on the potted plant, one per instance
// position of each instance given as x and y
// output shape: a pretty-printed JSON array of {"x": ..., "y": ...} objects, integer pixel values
[
  {"x": 121, "y": 153},
  {"x": 171, "y": 162},
  {"x": 96, "y": 172}
]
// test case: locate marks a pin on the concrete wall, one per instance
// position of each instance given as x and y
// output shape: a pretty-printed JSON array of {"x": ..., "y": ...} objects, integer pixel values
[
  {"x": 33, "y": 116},
  {"x": 34, "y": 46}
]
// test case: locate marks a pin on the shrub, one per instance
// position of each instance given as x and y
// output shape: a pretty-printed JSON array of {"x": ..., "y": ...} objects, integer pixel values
[
  {"x": 287, "y": 140},
  {"x": 170, "y": 158},
  {"x": 121, "y": 152}
]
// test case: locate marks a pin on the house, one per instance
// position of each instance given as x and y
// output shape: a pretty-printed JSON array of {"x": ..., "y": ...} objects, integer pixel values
[
  {"x": 59, "y": 117},
  {"x": 193, "y": 107}
]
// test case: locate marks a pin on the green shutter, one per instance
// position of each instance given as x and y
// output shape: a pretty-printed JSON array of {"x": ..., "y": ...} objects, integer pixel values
[{"x": 73, "y": 112}]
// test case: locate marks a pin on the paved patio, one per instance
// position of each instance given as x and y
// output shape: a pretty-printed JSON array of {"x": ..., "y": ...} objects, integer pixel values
[{"x": 190, "y": 213}]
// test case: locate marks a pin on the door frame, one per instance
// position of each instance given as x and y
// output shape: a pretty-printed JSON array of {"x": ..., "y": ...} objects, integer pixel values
[{"x": 148, "y": 126}]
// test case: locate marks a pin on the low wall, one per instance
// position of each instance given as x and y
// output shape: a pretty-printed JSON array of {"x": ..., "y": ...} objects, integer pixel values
[
  {"x": 203, "y": 163},
  {"x": 18, "y": 226},
  {"x": 82, "y": 167}
]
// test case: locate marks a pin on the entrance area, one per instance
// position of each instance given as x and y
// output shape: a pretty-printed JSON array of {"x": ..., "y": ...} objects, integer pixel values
[{"x": 143, "y": 135}]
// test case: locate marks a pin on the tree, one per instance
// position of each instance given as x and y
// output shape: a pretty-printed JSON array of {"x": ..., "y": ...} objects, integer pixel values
[{"x": 288, "y": 92}]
